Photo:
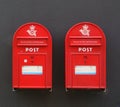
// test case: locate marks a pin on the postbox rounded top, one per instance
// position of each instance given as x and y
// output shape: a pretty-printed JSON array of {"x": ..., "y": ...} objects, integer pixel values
[
  {"x": 85, "y": 30},
  {"x": 32, "y": 30}
]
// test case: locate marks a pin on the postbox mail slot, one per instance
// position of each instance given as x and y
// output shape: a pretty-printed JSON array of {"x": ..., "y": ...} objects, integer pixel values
[
  {"x": 32, "y": 42},
  {"x": 85, "y": 42},
  {"x": 42, "y": 37},
  {"x": 85, "y": 37}
]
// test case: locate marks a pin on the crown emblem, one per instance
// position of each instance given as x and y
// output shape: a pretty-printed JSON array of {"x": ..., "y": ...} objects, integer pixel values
[
  {"x": 31, "y": 31},
  {"x": 84, "y": 30},
  {"x": 32, "y": 27}
]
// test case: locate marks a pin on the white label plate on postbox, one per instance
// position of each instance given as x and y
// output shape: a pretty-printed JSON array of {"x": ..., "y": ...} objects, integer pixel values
[
  {"x": 32, "y": 70},
  {"x": 85, "y": 70}
]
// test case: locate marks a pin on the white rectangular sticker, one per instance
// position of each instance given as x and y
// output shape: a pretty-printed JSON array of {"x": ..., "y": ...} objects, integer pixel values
[
  {"x": 85, "y": 70},
  {"x": 32, "y": 70}
]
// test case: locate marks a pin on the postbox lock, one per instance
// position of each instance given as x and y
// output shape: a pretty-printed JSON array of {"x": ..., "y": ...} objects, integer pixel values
[
  {"x": 32, "y": 57},
  {"x": 85, "y": 58}
]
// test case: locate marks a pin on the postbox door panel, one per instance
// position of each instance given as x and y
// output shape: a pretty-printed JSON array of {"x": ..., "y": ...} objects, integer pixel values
[
  {"x": 32, "y": 70},
  {"x": 85, "y": 69}
]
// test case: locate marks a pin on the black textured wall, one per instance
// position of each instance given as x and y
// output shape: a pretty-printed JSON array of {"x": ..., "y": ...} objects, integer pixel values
[{"x": 58, "y": 16}]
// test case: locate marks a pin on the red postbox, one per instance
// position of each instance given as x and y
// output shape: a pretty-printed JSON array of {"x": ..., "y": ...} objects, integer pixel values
[
  {"x": 85, "y": 57},
  {"x": 32, "y": 57}
]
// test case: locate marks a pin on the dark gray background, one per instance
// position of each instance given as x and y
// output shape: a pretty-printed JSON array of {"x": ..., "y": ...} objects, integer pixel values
[{"x": 58, "y": 16}]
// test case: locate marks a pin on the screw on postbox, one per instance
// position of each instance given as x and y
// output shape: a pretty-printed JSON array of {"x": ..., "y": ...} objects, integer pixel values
[
  {"x": 85, "y": 57},
  {"x": 32, "y": 57}
]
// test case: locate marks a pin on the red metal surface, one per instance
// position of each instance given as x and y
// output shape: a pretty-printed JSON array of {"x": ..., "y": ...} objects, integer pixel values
[
  {"x": 85, "y": 45},
  {"x": 32, "y": 46}
]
